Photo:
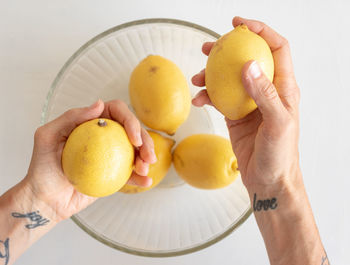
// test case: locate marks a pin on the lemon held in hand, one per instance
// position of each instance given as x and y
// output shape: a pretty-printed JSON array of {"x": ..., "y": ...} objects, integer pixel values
[
  {"x": 224, "y": 67},
  {"x": 206, "y": 161},
  {"x": 159, "y": 94},
  {"x": 98, "y": 157},
  {"x": 158, "y": 170}
]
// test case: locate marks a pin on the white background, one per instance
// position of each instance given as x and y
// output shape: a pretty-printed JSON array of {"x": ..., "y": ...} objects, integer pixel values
[{"x": 37, "y": 37}]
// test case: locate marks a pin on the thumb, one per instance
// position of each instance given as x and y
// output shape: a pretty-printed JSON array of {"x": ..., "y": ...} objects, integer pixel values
[
  {"x": 64, "y": 124},
  {"x": 263, "y": 92}
]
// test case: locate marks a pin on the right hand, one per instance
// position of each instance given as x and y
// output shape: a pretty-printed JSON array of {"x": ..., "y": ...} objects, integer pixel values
[{"x": 265, "y": 141}]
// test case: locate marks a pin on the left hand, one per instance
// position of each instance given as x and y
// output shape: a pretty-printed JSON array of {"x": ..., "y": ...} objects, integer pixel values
[{"x": 46, "y": 180}]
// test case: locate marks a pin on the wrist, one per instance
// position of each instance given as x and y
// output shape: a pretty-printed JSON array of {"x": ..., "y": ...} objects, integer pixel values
[
  {"x": 287, "y": 197},
  {"x": 288, "y": 183},
  {"x": 23, "y": 220},
  {"x": 24, "y": 201},
  {"x": 284, "y": 217}
]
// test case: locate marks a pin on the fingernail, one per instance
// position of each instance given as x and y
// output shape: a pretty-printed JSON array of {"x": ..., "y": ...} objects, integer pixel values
[
  {"x": 154, "y": 156},
  {"x": 149, "y": 182},
  {"x": 254, "y": 70},
  {"x": 138, "y": 140},
  {"x": 146, "y": 171}
]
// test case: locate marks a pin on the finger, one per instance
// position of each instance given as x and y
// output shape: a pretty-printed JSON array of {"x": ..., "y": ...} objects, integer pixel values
[
  {"x": 199, "y": 79},
  {"x": 65, "y": 124},
  {"x": 206, "y": 47},
  {"x": 273, "y": 39},
  {"x": 282, "y": 59},
  {"x": 278, "y": 45},
  {"x": 147, "y": 153},
  {"x": 141, "y": 167},
  {"x": 137, "y": 180},
  {"x": 119, "y": 111},
  {"x": 264, "y": 93},
  {"x": 201, "y": 99}
]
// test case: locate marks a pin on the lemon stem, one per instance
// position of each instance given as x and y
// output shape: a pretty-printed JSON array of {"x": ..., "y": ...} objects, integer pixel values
[{"x": 102, "y": 123}]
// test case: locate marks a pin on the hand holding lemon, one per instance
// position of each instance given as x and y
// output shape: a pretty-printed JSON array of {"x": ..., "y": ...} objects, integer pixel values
[
  {"x": 265, "y": 140},
  {"x": 46, "y": 178}
]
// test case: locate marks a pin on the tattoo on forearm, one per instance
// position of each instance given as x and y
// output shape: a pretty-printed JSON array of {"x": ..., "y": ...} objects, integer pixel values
[
  {"x": 4, "y": 250},
  {"x": 34, "y": 217},
  {"x": 325, "y": 260},
  {"x": 264, "y": 205}
]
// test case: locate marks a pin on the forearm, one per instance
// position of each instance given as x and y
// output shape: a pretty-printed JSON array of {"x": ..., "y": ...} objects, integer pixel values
[
  {"x": 286, "y": 222},
  {"x": 23, "y": 220}
]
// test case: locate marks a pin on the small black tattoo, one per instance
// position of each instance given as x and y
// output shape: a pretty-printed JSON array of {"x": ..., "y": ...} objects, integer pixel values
[
  {"x": 6, "y": 254},
  {"x": 325, "y": 260},
  {"x": 35, "y": 217},
  {"x": 264, "y": 205}
]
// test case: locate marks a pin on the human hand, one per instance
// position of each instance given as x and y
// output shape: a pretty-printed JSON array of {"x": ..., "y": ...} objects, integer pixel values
[
  {"x": 266, "y": 140},
  {"x": 46, "y": 180}
]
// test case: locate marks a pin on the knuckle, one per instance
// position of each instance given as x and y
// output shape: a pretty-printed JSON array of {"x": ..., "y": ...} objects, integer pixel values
[
  {"x": 287, "y": 122},
  {"x": 122, "y": 107},
  {"x": 263, "y": 25},
  {"x": 284, "y": 42},
  {"x": 120, "y": 103},
  {"x": 131, "y": 120},
  {"x": 132, "y": 125},
  {"x": 39, "y": 133},
  {"x": 43, "y": 136},
  {"x": 268, "y": 90},
  {"x": 286, "y": 126}
]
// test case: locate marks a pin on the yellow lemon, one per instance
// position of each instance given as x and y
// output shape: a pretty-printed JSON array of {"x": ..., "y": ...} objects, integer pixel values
[
  {"x": 158, "y": 170},
  {"x": 159, "y": 94},
  {"x": 206, "y": 161},
  {"x": 98, "y": 157},
  {"x": 224, "y": 67}
]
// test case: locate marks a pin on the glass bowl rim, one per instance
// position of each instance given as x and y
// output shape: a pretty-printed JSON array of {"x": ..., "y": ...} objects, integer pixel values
[{"x": 44, "y": 116}]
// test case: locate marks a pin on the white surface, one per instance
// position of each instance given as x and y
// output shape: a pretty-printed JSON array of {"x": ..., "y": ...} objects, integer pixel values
[{"x": 318, "y": 33}]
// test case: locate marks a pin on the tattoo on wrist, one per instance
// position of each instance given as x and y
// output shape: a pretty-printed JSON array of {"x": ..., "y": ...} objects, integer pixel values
[
  {"x": 34, "y": 217},
  {"x": 264, "y": 205},
  {"x": 5, "y": 251}
]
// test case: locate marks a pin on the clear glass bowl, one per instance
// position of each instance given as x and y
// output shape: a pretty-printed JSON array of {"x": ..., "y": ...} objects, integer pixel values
[{"x": 173, "y": 218}]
